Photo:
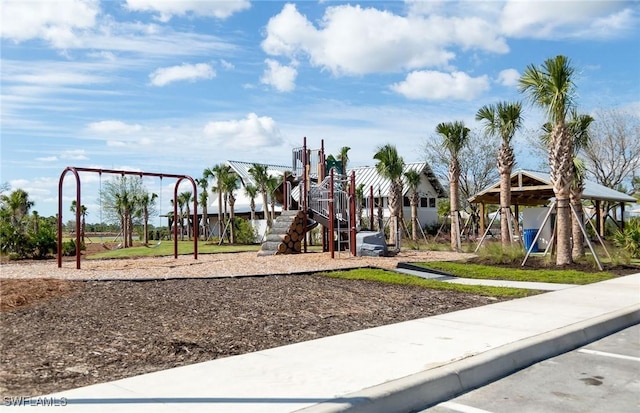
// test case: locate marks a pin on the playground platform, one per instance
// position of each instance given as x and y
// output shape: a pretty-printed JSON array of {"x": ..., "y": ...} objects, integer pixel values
[{"x": 396, "y": 368}]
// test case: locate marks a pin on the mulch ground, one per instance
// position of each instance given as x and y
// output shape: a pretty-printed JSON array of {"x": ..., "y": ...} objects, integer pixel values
[{"x": 58, "y": 335}]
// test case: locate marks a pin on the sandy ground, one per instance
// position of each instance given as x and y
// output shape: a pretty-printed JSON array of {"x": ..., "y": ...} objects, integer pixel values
[{"x": 211, "y": 265}]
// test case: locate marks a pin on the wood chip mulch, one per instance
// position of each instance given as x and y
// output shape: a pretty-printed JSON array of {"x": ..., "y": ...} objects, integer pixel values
[{"x": 62, "y": 334}]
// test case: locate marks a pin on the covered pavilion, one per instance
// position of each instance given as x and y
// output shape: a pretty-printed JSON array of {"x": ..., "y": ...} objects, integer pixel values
[{"x": 532, "y": 188}]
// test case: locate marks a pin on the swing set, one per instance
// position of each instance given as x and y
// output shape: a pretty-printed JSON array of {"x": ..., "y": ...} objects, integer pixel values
[{"x": 75, "y": 170}]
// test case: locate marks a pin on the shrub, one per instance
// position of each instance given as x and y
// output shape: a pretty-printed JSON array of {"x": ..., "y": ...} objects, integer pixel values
[
  {"x": 245, "y": 232},
  {"x": 629, "y": 239},
  {"x": 43, "y": 242}
]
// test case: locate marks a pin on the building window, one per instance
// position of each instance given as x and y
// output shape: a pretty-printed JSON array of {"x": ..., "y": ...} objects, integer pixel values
[
  {"x": 432, "y": 202},
  {"x": 406, "y": 202},
  {"x": 424, "y": 202}
]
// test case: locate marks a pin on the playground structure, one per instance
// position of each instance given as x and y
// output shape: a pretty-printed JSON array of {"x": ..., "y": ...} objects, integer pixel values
[
  {"x": 75, "y": 170},
  {"x": 317, "y": 193}
]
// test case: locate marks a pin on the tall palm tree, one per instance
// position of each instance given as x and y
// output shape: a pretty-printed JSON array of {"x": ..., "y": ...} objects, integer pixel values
[
  {"x": 578, "y": 127},
  {"x": 218, "y": 172},
  {"x": 146, "y": 202},
  {"x": 551, "y": 87},
  {"x": 359, "y": 202},
  {"x": 272, "y": 184},
  {"x": 412, "y": 178},
  {"x": 390, "y": 166},
  {"x": 18, "y": 204},
  {"x": 185, "y": 198},
  {"x": 455, "y": 136},
  {"x": 343, "y": 157},
  {"x": 503, "y": 120},
  {"x": 260, "y": 176},
  {"x": 229, "y": 186},
  {"x": 203, "y": 200},
  {"x": 83, "y": 215},
  {"x": 251, "y": 191}
]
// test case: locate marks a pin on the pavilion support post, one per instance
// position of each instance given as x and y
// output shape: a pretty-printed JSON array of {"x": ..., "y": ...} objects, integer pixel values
[{"x": 483, "y": 212}]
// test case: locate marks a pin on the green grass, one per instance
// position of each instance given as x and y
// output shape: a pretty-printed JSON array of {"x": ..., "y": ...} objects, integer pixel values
[
  {"x": 390, "y": 277},
  {"x": 166, "y": 248},
  {"x": 548, "y": 275}
]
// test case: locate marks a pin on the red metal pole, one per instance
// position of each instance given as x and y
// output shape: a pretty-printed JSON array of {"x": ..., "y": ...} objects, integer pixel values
[
  {"x": 175, "y": 219},
  {"x": 352, "y": 213},
  {"x": 331, "y": 216},
  {"x": 305, "y": 189}
]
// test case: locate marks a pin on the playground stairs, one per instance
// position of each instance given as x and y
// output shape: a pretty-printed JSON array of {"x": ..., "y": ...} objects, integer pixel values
[{"x": 286, "y": 235}]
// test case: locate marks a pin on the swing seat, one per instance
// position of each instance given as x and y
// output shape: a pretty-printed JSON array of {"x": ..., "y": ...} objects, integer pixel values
[{"x": 155, "y": 246}]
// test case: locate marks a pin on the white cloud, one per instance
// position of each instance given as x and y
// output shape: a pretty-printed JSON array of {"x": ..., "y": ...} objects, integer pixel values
[
  {"x": 74, "y": 154},
  {"x": 566, "y": 19},
  {"x": 169, "y": 8},
  {"x": 55, "y": 21},
  {"x": 47, "y": 159},
  {"x": 113, "y": 126},
  {"x": 283, "y": 78},
  {"x": 227, "y": 65},
  {"x": 250, "y": 132},
  {"x": 352, "y": 40},
  {"x": 508, "y": 77},
  {"x": 165, "y": 75},
  {"x": 432, "y": 85}
]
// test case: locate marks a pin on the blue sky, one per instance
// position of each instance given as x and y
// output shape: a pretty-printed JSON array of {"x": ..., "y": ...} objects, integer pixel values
[{"x": 175, "y": 86}]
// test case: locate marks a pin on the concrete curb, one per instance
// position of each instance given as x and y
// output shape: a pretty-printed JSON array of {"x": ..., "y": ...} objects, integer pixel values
[{"x": 434, "y": 386}]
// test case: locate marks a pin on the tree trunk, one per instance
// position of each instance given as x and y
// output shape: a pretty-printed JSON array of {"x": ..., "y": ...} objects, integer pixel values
[
  {"x": 505, "y": 209},
  {"x": 232, "y": 215},
  {"x": 266, "y": 208},
  {"x": 454, "y": 174},
  {"x": 561, "y": 165},
  {"x": 414, "y": 217},
  {"x": 393, "y": 211}
]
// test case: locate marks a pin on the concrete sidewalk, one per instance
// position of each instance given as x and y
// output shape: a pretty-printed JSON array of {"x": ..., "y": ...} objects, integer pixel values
[{"x": 395, "y": 368}]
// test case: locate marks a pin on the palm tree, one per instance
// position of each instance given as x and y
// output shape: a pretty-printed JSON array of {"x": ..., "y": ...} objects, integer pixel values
[
  {"x": 455, "y": 136},
  {"x": 184, "y": 200},
  {"x": 204, "y": 200},
  {"x": 343, "y": 156},
  {"x": 229, "y": 185},
  {"x": 578, "y": 127},
  {"x": 359, "y": 201},
  {"x": 83, "y": 214},
  {"x": 146, "y": 201},
  {"x": 260, "y": 176},
  {"x": 503, "y": 120},
  {"x": 251, "y": 191},
  {"x": 551, "y": 87},
  {"x": 413, "y": 182},
  {"x": 18, "y": 204},
  {"x": 218, "y": 172},
  {"x": 272, "y": 184},
  {"x": 390, "y": 166}
]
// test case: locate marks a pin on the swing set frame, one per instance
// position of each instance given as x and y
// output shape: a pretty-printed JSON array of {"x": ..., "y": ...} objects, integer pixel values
[{"x": 179, "y": 178}]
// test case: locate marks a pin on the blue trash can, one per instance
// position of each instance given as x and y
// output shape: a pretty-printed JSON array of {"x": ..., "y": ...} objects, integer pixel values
[{"x": 529, "y": 236}]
